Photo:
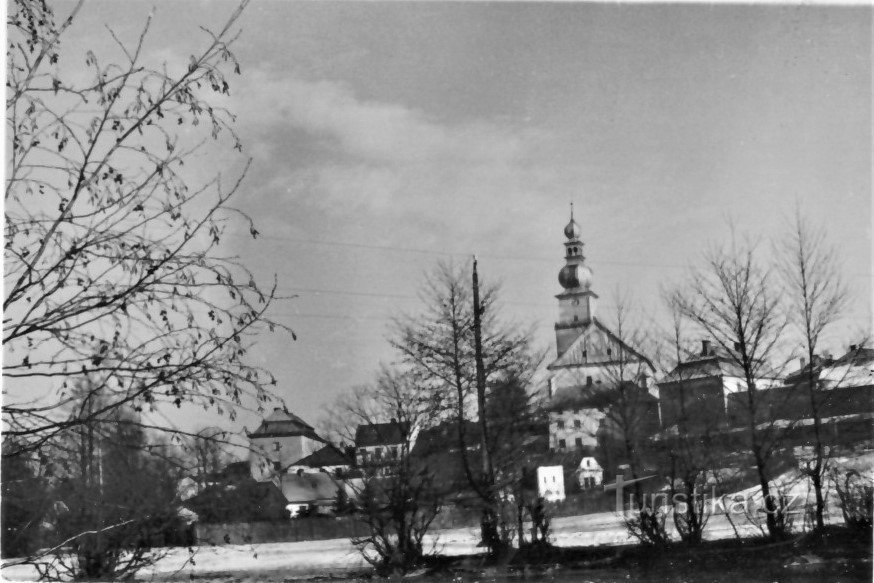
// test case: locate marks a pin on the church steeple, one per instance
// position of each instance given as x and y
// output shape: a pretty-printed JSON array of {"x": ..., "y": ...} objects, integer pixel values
[{"x": 577, "y": 302}]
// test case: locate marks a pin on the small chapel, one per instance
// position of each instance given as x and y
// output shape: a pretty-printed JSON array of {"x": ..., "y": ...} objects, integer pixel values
[{"x": 592, "y": 363}]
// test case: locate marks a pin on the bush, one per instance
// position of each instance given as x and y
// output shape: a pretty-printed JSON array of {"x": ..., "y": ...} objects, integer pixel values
[{"x": 856, "y": 495}]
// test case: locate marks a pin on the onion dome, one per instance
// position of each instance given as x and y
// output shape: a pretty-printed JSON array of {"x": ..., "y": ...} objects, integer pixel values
[
  {"x": 572, "y": 230},
  {"x": 574, "y": 276}
]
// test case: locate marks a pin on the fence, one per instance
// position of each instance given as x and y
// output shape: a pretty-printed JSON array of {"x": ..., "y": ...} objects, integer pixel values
[
  {"x": 321, "y": 528},
  {"x": 299, "y": 529}
]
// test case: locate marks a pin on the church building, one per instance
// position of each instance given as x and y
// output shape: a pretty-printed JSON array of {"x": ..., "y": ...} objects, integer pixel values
[{"x": 593, "y": 365}]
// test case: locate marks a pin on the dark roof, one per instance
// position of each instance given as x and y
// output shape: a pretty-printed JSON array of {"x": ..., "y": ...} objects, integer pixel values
[
  {"x": 391, "y": 433},
  {"x": 444, "y": 437},
  {"x": 595, "y": 396},
  {"x": 857, "y": 356},
  {"x": 281, "y": 423},
  {"x": 327, "y": 456}
]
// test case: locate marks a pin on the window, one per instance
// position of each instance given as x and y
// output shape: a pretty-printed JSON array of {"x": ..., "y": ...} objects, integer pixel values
[
  {"x": 562, "y": 444},
  {"x": 277, "y": 446},
  {"x": 609, "y": 351},
  {"x": 579, "y": 442},
  {"x": 378, "y": 453},
  {"x": 560, "y": 424},
  {"x": 578, "y": 424}
]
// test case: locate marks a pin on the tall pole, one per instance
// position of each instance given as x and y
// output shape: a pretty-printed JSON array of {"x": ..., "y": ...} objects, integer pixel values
[
  {"x": 490, "y": 512},
  {"x": 480, "y": 372}
]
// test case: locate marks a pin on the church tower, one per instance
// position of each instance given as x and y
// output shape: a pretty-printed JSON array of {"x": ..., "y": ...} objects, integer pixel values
[{"x": 576, "y": 304}]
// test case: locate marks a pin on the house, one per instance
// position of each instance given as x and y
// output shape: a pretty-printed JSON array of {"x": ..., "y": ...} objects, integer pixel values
[
  {"x": 238, "y": 498},
  {"x": 282, "y": 439},
  {"x": 593, "y": 364},
  {"x": 550, "y": 483},
  {"x": 590, "y": 473},
  {"x": 379, "y": 445},
  {"x": 842, "y": 400},
  {"x": 706, "y": 391}
]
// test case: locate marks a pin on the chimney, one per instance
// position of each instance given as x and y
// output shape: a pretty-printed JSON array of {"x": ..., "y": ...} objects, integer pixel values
[
  {"x": 803, "y": 362},
  {"x": 705, "y": 348},
  {"x": 550, "y": 386}
]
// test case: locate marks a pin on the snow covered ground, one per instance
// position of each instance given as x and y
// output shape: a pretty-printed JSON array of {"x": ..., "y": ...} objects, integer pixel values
[{"x": 281, "y": 561}]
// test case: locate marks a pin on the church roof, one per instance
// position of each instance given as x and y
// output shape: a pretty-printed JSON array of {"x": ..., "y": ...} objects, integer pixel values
[
  {"x": 600, "y": 338},
  {"x": 281, "y": 423}
]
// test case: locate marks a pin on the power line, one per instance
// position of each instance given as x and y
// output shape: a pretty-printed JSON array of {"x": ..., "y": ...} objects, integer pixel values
[{"x": 538, "y": 258}]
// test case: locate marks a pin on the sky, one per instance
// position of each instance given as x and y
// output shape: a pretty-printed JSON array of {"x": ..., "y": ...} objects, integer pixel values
[{"x": 387, "y": 136}]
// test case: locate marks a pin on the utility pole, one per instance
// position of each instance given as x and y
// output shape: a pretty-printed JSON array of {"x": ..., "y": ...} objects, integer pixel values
[{"x": 490, "y": 514}]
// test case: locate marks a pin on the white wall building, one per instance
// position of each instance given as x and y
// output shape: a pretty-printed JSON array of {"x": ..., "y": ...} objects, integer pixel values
[
  {"x": 591, "y": 361},
  {"x": 281, "y": 440},
  {"x": 590, "y": 473},
  {"x": 550, "y": 483}
]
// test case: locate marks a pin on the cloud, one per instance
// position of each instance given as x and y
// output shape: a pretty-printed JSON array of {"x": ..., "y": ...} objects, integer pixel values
[{"x": 319, "y": 145}]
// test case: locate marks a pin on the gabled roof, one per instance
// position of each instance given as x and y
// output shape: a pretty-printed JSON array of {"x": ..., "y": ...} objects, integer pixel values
[
  {"x": 700, "y": 367},
  {"x": 309, "y": 487},
  {"x": 281, "y": 423},
  {"x": 325, "y": 457},
  {"x": 373, "y": 434},
  {"x": 578, "y": 355}
]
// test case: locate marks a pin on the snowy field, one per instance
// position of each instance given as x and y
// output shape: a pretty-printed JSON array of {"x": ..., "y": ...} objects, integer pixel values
[{"x": 268, "y": 562}]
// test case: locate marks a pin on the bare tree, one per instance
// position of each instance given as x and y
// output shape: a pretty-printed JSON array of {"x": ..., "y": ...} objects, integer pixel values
[
  {"x": 207, "y": 453},
  {"x": 440, "y": 345},
  {"x": 629, "y": 413},
  {"x": 398, "y": 496},
  {"x": 113, "y": 268},
  {"x": 114, "y": 493},
  {"x": 733, "y": 300},
  {"x": 817, "y": 297},
  {"x": 687, "y": 445}
]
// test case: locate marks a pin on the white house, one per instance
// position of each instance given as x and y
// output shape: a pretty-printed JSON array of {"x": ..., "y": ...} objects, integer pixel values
[
  {"x": 590, "y": 473},
  {"x": 282, "y": 439},
  {"x": 550, "y": 483}
]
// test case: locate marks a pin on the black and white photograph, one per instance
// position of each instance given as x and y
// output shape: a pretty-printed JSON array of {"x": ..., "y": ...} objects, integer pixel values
[{"x": 438, "y": 291}]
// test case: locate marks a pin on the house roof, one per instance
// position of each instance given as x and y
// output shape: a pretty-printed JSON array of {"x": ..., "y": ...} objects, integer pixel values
[
  {"x": 596, "y": 334},
  {"x": 701, "y": 367},
  {"x": 327, "y": 456},
  {"x": 595, "y": 396},
  {"x": 281, "y": 423},
  {"x": 373, "y": 434},
  {"x": 309, "y": 487},
  {"x": 444, "y": 437},
  {"x": 231, "y": 472}
]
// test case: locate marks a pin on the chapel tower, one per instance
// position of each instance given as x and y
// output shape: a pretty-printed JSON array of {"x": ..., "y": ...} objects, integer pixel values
[{"x": 576, "y": 304}]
